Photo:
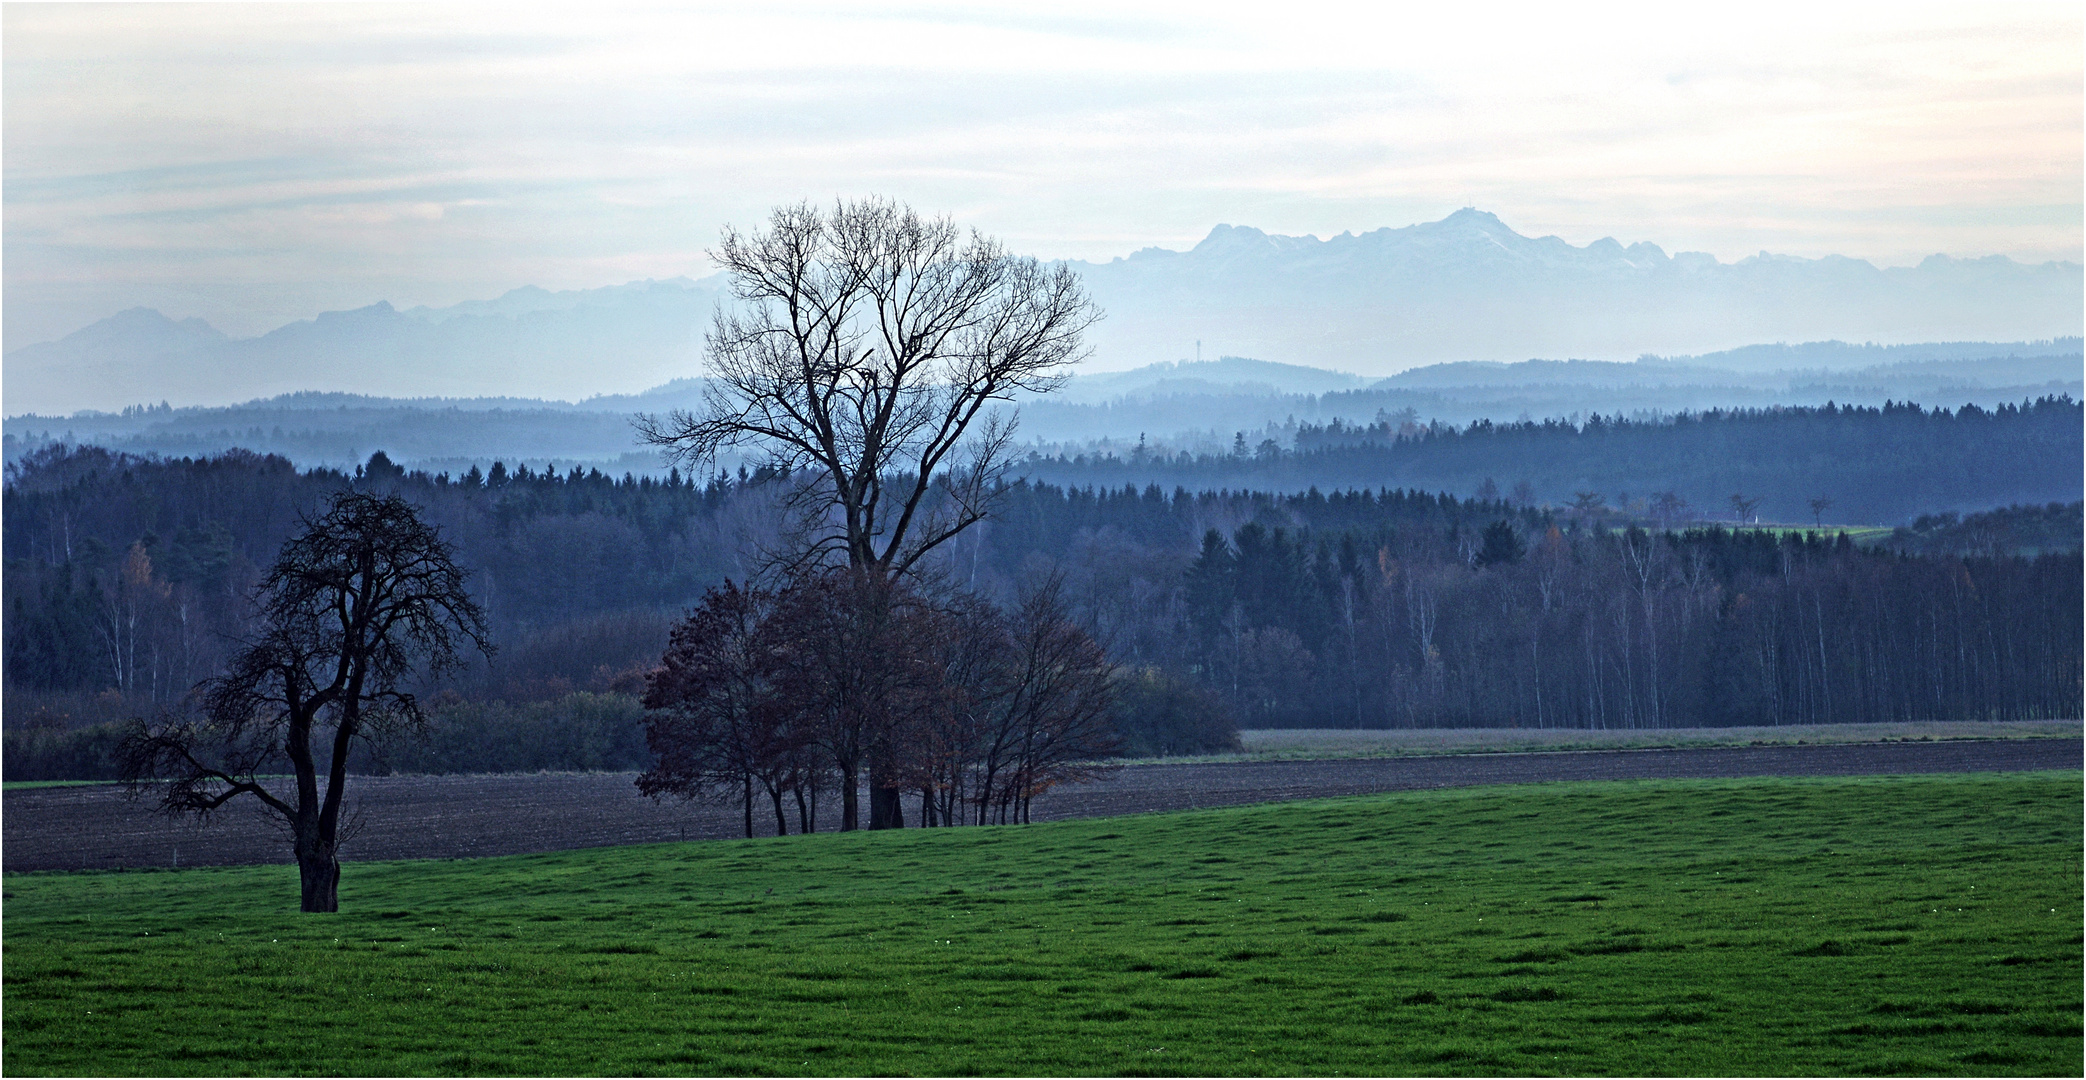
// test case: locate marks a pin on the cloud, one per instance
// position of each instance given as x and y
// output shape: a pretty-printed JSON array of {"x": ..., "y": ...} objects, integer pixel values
[{"x": 261, "y": 159}]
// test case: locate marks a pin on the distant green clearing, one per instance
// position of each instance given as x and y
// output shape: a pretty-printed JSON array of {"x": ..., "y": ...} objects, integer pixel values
[
  {"x": 1264, "y": 744},
  {"x": 1859, "y": 534},
  {"x": 1899, "y": 925}
]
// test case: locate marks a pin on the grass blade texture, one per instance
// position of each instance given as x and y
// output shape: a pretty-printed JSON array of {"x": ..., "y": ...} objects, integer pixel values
[{"x": 1898, "y": 925}]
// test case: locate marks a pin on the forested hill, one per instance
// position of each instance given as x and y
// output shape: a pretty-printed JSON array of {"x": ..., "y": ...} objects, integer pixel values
[
  {"x": 1353, "y": 607},
  {"x": 1882, "y": 466}
]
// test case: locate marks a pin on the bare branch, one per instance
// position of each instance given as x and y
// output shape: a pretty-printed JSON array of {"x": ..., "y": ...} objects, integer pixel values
[{"x": 868, "y": 344}]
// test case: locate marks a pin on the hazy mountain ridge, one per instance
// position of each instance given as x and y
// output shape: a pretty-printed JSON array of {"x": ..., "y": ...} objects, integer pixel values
[
  {"x": 1466, "y": 288},
  {"x": 1226, "y": 374},
  {"x": 1841, "y": 355},
  {"x": 1175, "y": 407},
  {"x": 1470, "y": 288},
  {"x": 546, "y": 345}
]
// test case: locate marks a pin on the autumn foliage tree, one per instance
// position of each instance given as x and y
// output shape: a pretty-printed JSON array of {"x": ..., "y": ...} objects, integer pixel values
[
  {"x": 1043, "y": 691},
  {"x": 713, "y": 726},
  {"x": 843, "y": 674}
]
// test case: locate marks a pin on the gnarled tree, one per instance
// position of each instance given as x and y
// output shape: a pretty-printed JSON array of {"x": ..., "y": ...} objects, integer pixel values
[
  {"x": 367, "y": 595},
  {"x": 864, "y": 361}
]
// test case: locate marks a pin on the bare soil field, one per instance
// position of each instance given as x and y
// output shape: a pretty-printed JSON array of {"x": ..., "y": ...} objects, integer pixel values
[{"x": 441, "y": 817}]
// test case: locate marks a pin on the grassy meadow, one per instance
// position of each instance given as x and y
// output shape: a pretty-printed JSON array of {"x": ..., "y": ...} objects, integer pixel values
[{"x": 1897, "y": 925}]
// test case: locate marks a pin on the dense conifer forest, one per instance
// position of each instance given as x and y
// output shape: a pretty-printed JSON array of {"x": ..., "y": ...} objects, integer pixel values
[
  {"x": 126, "y": 582},
  {"x": 1874, "y": 466}
]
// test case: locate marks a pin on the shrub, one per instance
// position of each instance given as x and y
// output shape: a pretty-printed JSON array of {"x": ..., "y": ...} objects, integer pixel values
[
  {"x": 1158, "y": 715},
  {"x": 87, "y": 753},
  {"x": 580, "y": 732}
]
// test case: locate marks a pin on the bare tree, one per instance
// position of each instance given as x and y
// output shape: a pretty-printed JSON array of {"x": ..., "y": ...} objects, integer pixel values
[
  {"x": 350, "y": 608},
  {"x": 870, "y": 343},
  {"x": 1819, "y": 506},
  {"x": 1060, "y": 690},
  {"x": 1023, "y": 703},
  {"x": 1669, "y": 507},
  {"x": 864, "y": 363}
]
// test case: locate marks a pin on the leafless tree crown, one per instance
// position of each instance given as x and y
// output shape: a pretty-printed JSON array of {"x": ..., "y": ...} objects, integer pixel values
[{"x": 865, "y": 355}]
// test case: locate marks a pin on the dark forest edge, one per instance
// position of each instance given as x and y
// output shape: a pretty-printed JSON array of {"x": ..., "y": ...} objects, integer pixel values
[
  {"x": 1842, "y": 464},
  {"x": 1379, "y": 608}
]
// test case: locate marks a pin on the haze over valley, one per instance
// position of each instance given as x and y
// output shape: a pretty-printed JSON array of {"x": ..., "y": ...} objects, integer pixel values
[{"x": 1466, "y": 288}]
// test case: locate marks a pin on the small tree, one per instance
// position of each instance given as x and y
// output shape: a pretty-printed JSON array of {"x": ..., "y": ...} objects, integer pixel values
[
  {"x": 712, "y": 720},
  {"x": 1502, "y": 545},
  {"x": 367, "y": 595},
  {"x": 1058, "y": 703},
  {"x": 854, "y": 666},
  {"x": 1669, "y": 507}
]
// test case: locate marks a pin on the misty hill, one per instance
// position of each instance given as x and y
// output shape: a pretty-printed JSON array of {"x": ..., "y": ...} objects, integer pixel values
[
  {"x": 1843, "y": 356},
  {"x": 530, "y": 342},
  {"x": 1207, "y": 417},
  {"x": 1222, "y": 376},
  {"x": 1174, "y": 407},
  {"x": 1468, "y": 287},
  {"x": 1980, "y": 364},
  {"x": 1876, "y": 466}
]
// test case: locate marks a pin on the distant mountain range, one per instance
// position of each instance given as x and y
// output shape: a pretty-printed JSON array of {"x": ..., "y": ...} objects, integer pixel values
[
  {"x": 1466, "y": 288},
  {"x": 529, "y": 343}
]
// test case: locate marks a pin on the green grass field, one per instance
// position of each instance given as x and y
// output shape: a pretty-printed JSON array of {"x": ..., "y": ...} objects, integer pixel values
[{"x": 1923, "y": 925}]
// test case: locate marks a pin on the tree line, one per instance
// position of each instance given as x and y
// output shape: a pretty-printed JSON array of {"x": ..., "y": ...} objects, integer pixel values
[
  {"x": 1592, "y": 628},
  {"x": 1367, "y": 584},
  {"x": 1870, "y": 465}
]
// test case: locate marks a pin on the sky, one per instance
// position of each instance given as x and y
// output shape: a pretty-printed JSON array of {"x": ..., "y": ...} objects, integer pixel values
[{"x": 253, "y": 164}]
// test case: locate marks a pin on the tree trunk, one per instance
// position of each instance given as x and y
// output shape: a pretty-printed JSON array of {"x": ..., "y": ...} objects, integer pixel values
[
  {"x": 319, "y": 873},
  {"x": 885, "y": 809},
  {"x": 781, "y": 823},
  {"x": 850, "y": 801},
  {"x": 746, "y": 801}
]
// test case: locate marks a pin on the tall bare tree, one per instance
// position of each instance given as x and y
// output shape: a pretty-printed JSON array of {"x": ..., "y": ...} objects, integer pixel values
[
  {"x": 864, "y": 362},
  {"x": 367, "y": 595},
  {"x": 865, "y": 358}
]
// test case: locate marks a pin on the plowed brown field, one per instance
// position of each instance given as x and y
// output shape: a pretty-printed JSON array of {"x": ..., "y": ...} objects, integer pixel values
[{"x": 433, "y": 817}]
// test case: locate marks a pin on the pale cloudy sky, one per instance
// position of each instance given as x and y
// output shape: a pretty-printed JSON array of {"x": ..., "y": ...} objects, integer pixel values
[{"x": 257, "y": 163}]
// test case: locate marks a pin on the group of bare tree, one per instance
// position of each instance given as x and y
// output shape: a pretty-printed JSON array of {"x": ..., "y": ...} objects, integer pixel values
[
  {"x": 867, "y": 362},
  {"x": 780, "y": 697}
]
